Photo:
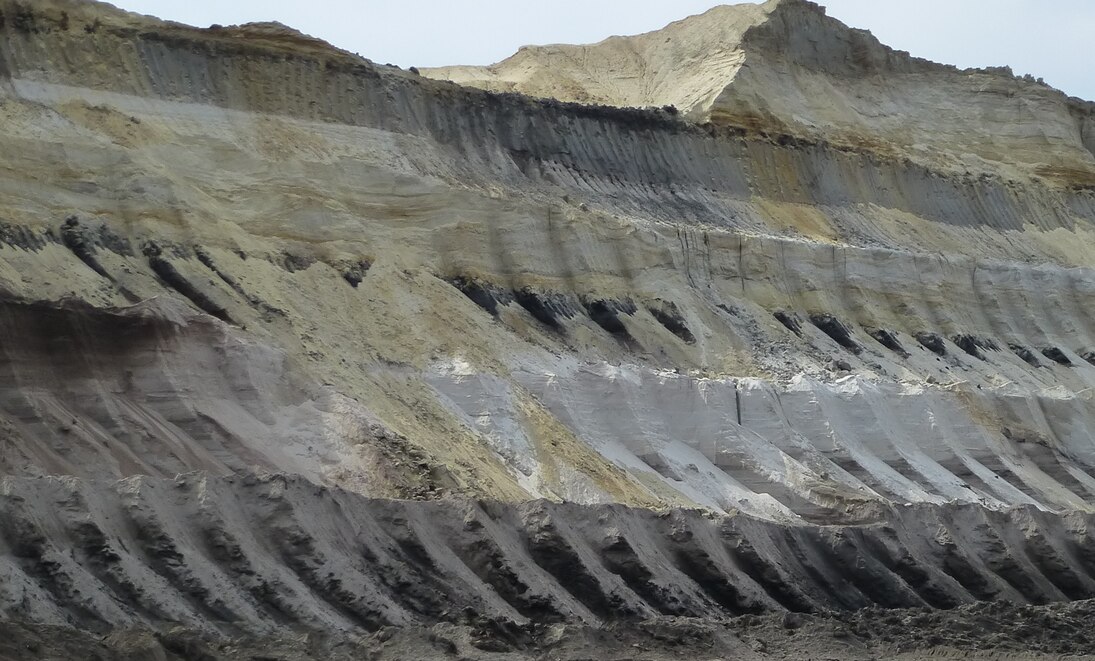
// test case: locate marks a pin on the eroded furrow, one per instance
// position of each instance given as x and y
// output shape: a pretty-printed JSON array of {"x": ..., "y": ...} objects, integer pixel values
[{"x": 298, "y": 552}]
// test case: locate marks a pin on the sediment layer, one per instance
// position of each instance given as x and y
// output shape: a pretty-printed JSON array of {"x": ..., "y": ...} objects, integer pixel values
[
  {"x": 250, "y": 553},
  {"x": 289, "y": 338},
  {"x": 785, "y": 66}
]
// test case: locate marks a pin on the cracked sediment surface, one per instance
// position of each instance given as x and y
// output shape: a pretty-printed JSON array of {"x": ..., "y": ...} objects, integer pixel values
[{"x": 294, "y": 342}]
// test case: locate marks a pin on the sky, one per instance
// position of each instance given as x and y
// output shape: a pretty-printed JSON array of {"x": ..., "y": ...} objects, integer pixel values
[{"x": 1051, "y": 39}]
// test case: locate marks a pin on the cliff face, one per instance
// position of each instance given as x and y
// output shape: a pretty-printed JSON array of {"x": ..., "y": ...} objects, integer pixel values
[{"x": 242, "y": 252}]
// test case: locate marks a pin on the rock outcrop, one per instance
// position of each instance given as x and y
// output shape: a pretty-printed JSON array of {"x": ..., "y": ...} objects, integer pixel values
[{"x": 819, "y": 340}]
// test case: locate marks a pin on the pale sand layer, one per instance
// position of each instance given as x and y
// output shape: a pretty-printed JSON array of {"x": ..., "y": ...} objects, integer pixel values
[{"x": 784, "y": 66}]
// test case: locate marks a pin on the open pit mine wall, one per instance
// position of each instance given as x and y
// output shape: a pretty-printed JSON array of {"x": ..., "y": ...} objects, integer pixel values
[
  {"x": 431, "y": 290},
  {"x": 894, "y": 270},
  {"x": 813, "y": 75},
  {"x": 785, "y": 67},
  {"x": 636, "y": 157},
  {"x": 255, "y": 554},
  {"x": 630, "y": 162}
]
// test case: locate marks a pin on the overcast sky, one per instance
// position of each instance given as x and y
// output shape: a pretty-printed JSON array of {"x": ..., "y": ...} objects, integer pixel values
[{"x": 1052, "y": 39}]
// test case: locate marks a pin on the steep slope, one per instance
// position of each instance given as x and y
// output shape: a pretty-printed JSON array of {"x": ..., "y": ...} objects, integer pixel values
[
  {"x": 249, "y": 553},
  {"x": 785, "y": 67},
  {"x": 682, "y": 64},
  {"x": 307, "y": 285}
]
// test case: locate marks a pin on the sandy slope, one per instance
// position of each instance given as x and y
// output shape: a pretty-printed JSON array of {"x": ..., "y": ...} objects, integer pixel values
[
  {"x": 785, "y": 66},
  {"x": 289, "y": 340},
  {"x": 250, "y": 553}
]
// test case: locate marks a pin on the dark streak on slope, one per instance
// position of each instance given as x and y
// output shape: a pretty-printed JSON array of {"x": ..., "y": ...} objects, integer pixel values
[
  {"x": 789, "y": 320},
  {"x": 545, "y": 308},
  {"x": 932, "y": 342},
  {"x": 1026, "y": 354},
  {"x": 175, "y": 280},
  {"x": 889, "y": 340},
  {"x": 836, "y": 330},
  {"x": 1057, "y": 356},
  {"x": 606, "y": 314},
  {"x": 668, "y": 315},
  {"x": 72, "y": 235},
  {"x": 480, "y": 293}
]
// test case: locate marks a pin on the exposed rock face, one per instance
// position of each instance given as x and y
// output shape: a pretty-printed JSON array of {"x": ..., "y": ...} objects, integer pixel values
[{"x": 855, "y": 342}]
